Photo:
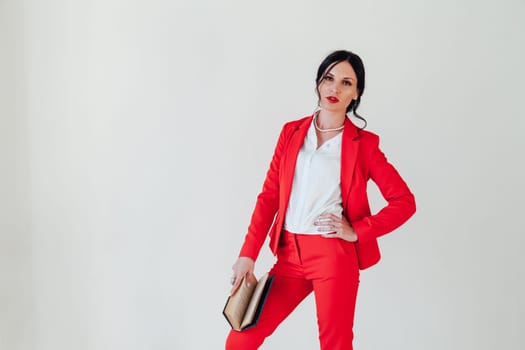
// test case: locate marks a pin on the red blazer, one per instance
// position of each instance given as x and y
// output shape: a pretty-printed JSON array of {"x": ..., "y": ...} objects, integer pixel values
[{"x": 361, "y": 160}]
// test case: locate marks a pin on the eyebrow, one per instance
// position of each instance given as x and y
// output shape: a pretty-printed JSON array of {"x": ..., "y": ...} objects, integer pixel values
[{"x": 345, "y": 78}]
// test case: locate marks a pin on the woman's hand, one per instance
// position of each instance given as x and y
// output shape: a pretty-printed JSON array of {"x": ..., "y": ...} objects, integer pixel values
[
  {"x": 242, "y": 266},
  {"x": 336, "y": 227}
]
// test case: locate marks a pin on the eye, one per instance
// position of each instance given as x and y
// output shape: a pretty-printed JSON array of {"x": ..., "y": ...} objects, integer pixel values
[
  {"x": 329, "y": 78},
  {"x": 347, "y": 83}
]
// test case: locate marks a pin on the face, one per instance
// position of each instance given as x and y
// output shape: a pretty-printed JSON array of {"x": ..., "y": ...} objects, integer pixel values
[{"x": 338, "y": 88}]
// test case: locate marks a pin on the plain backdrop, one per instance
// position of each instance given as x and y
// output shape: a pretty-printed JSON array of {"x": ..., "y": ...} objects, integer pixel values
[{"x": 135, "y": 137}]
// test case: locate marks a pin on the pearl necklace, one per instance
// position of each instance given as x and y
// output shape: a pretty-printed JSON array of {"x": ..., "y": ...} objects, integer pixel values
[{"x": 326, "y": 130}]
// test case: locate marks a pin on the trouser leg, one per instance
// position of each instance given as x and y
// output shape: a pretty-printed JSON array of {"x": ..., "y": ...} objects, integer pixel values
[
  {"x": 331, "y": 264},
  {"x": 335, "y": 303}
]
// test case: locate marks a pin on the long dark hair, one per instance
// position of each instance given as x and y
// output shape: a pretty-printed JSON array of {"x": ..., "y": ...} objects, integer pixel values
[{"x": 357, "y": 64}]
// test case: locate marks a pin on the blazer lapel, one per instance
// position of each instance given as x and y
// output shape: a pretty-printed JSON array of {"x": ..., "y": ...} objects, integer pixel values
[
  {"x": 290, "y": 158},
  {"x": 349, "y": 148}
]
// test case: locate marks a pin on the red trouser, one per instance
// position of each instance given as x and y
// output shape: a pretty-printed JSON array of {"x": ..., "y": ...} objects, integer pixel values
[{"x": 328, "y": 266}]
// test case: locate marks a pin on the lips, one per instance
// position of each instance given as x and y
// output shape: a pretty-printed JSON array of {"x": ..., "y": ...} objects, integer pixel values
[{"x": 332, "y": 99}]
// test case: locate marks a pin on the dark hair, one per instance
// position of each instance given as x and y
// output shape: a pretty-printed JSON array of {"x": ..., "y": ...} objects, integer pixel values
[{"x": 357, "y": 64}]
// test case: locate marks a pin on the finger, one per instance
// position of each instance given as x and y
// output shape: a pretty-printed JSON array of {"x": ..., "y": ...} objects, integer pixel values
[
  {"x": 325, "y": 229},
  {"x": 324, "y": 218},
  {"x": 249, "y": 276},
  {"x": 334, "y": 223},
  {"x": 322, "y": 221},
  {"x": 330, "y": 235},
  {"x": 336, "y": 218},
  {"x": 339, "y": 219},
  {"x": 236, "y": 285}
]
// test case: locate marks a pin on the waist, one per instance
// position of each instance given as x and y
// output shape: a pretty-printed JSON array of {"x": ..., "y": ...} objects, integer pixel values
[
  {"x": 315, "y": 243},
  {"x": 305, "y": 223}
]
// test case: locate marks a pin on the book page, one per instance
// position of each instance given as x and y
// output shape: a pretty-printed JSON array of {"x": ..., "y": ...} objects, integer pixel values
[
  {"x": 254, "y": 302},
  {"x": 237, "y": 304}
]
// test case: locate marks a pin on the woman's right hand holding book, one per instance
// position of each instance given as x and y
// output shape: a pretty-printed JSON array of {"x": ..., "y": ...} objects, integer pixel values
[{"x": 241, "y": 268}]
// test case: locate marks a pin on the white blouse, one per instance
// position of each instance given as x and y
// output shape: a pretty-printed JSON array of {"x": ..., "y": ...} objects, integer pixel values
[{"x": 316, "y": 187}]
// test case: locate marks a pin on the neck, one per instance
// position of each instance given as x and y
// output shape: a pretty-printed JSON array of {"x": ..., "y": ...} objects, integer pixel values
[{"x": 329, "y": 119}]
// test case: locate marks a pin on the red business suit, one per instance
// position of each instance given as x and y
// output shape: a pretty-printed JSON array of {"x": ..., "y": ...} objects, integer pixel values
[
  {"x": 361, "y": 160},
  {"x": 306, "y": 263}
]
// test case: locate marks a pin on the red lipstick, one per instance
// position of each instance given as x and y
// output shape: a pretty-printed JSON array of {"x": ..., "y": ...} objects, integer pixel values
[{"x": 332, "y": 99}]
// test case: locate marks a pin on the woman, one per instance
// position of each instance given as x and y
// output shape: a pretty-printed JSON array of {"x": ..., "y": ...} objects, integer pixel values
[{"x": 314, "y": 206}]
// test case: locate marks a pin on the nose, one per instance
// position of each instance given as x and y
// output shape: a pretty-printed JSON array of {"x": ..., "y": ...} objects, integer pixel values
[{"x": 333, "y": 88}]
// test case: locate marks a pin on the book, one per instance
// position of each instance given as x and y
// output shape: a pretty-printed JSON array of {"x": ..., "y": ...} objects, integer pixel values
[{"x": 244, "y": 306}]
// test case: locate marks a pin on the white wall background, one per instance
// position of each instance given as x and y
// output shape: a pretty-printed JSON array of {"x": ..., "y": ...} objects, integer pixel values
[{"x": 135, "y": 136}]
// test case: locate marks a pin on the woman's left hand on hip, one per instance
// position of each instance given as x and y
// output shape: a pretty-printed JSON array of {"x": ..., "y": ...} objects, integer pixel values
[{"x": 335, "y": 227}]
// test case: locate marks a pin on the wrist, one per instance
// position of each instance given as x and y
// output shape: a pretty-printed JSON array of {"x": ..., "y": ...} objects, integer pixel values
[{"x": 246, "y": 258}]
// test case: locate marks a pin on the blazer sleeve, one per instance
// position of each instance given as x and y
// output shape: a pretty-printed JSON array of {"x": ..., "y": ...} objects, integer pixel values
[
  {"x": 267, "y": 204},
  {"x": 401, "y": 203}
]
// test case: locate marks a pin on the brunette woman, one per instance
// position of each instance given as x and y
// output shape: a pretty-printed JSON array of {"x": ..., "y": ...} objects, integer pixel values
[{"x": 314, "y": 207}]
